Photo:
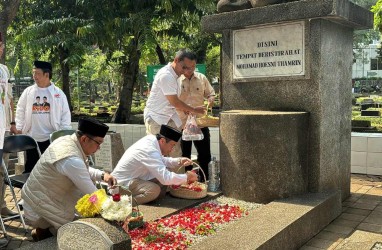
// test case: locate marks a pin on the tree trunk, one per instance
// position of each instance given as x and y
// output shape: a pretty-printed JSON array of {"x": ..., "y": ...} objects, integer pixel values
[
  {"x": 63, "y": 54},
  {"x": 129, "y": 77},
  {"x": 9, "y": 10},
  {"x": 162, "y": 59}
]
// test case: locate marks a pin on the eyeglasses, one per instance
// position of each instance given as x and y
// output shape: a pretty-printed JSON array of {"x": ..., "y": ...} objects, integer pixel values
[
  {"x": 98, "y": 143},
  {"x": 184, "y": 67}
]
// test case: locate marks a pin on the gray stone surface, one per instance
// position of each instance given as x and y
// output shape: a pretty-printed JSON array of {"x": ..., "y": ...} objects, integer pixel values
[
  {"x": 324, "y": 90},
  {"x": 50, "y": 243},
  {"x": 271, "y": 162},
  {"x": 230, "y": 5},
  {"x": 92, "y": 233},
  {"x": 170, "y": 205},
  {"x": 282, "y": 224},
  {"x": 152, "y": 211},
  {"x": 110, "y": 153},
  {"x": 340, "y": 11},
  {"x": 361, "y": 240}
]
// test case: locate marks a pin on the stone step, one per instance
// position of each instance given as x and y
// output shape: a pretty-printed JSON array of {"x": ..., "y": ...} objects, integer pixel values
[
  {"x": 155, "y": 210},
  {"x": 283, "y": 224}
]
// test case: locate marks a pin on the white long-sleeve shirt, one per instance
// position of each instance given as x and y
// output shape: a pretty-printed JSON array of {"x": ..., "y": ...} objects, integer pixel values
[
  {"x": 4, "y": 76},
  {"x": 143, "y": 160},
  {"x": 75, "y": 169},
  {"x": 60, "y": 117}
]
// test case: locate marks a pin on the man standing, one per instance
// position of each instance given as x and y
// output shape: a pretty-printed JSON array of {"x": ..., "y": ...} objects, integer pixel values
[
  {"x": 194, "y": 88},
  {"x": 144, "y": 167},
  {"x": 6, "y": 124},
  {"x": 40, "y": 123},
  {"x": 163, "y": 100},
  {"x": 9, "y": 116},
  {"x": 61, "y": 177}
]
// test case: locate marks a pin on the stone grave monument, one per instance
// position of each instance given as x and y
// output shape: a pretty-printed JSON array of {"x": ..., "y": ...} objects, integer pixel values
[
  {"x": 285, "y": 127},
  {"x": 111, "y": 151},
  {"x": 93, "y": 233}
]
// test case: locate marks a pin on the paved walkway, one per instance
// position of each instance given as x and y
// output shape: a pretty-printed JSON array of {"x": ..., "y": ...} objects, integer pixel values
[
  {"x": 358, "y": 227},
  {"x": 360, "y": 224}
]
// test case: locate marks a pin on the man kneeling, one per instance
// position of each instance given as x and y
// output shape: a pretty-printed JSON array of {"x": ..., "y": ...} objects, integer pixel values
[
  {"x": 61, "y": 177},
  {"x": 144, "y": 167}
]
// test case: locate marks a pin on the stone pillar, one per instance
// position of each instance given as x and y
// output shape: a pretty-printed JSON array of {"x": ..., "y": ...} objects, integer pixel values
[
  {"x": 271, "y": 162},
  {"x": 294, "y": 56}
]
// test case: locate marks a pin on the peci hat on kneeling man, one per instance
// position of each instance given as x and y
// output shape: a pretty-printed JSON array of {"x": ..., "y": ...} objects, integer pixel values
[
  {"x": 92, "y": 127},
  {"x": 170, "y": 133}
]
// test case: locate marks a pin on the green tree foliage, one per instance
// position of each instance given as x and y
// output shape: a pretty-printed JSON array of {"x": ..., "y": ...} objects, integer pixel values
[
  {"x": 362, "y": 38},
  {"x": 130, "y": 35},
  {"x": 8, "y": 11},
  {"x": 127, "y": 26},
  {"x": 377, "y": 9},
  {"x": 51, "y": 34}
]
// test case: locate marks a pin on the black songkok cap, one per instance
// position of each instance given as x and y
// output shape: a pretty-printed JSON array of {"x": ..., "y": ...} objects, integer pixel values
[
  {"x": 92, "y": 127},
  {"x": 170, "y": 133},
  {"x": 42, "y": 65}
]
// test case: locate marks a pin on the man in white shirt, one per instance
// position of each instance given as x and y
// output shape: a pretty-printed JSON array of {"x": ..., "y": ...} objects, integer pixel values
[
  {"x": 61, "y": 177},
  {"x": 6, "y": 107},
  {"x": 37, "y": 121},
  {"x": 144, "y": 167},
  {"x": 163, "y": 99}
]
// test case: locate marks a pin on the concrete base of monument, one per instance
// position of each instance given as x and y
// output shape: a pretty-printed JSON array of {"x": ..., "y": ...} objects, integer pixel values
[
  {"x": 152, "y": 211},
  {"x": 283, "y": 224}
]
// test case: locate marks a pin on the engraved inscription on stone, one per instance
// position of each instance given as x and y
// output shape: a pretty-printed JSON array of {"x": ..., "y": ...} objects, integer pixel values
[
  {"x": 269, "y": 51},
  {"x": 103, "y": 157}
]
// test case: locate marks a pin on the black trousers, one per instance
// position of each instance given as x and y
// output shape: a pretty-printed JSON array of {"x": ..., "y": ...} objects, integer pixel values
[
  {"x": 32, "y": 155},
  {"x": 203, "y": 148}
]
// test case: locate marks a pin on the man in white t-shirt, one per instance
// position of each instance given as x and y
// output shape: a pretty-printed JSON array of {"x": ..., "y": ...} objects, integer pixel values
[
  {"x": 163, "y": 101},
  {"x": 37, "y": 120}
]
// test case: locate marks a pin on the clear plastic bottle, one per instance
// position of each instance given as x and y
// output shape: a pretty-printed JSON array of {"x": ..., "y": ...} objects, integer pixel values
[{"x": 214, "y": 175}]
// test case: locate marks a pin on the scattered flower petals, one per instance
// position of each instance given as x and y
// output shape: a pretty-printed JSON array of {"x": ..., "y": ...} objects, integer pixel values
[{"x": 189, "y": 226}]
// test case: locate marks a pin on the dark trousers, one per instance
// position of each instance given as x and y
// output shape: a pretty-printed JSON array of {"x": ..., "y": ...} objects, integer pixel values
[
  {"x": 32, "y": 155},
  {"x": 203, "y": 148}
]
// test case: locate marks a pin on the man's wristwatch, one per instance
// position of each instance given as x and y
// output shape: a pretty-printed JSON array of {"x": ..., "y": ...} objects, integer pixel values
[{"x": 103, "y": 176}]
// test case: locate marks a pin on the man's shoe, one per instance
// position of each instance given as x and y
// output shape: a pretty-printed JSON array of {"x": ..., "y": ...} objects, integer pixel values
[
  {"x": 6, "y": 212},
  {"x": 40, "y": 234},
  {"x": 3, "y": 242}
]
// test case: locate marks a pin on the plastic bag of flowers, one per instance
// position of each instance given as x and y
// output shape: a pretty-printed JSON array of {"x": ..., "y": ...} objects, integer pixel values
[{"x": 90, "y": 205}]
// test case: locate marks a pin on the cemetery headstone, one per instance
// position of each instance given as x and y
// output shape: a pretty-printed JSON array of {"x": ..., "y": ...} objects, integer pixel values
[
  {"x": 93, "y": 233},
  {"x": 110, "y": 152}
]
